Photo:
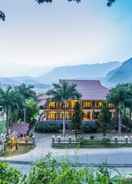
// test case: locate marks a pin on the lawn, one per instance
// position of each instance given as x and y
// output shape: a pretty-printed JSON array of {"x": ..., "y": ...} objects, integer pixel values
[{"x": 91, "y": 144}]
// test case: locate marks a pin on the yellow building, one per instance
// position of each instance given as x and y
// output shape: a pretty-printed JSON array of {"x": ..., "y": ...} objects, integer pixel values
[{"x": 93, "y": 95}]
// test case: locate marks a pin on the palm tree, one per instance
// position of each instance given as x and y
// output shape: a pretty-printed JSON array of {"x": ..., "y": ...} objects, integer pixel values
[
  {"x": 117, "y": 97},
  {"x": 62, "y": 92},
  {"x": 77, "y": 118},
  {"x": 23, "y": 93},
  {"x": 104, "y": 119},
  {"x": 26, "y": 91},
  {"x": 6, "y": 102},
  {"x": 13, "y": 100}
]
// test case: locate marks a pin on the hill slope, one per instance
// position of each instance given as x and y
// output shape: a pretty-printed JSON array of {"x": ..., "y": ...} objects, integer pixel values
[
  {"x": 86, "y": 71},
  {"x": 122, "y": 74}
]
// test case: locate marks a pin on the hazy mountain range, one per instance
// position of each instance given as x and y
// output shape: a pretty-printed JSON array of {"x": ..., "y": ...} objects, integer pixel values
[
  {"x": 13, "y": 81},
  {"x": 122, "y": 74},
  {"x": 110, "y": 73},
  {"x": 84, "y": 71}
]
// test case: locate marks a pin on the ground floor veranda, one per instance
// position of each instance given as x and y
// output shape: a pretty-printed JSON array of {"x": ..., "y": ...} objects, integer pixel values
[{"x": 88, "y": 115}]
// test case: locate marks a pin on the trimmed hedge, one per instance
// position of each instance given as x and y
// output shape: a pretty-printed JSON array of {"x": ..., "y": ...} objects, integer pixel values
[
  {"x": 56, "y": 126},
  {"x": 43, "y": 127}
]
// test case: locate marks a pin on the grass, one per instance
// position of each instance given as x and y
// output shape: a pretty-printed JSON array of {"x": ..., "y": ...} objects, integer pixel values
[{"x": 22, "y": 148}]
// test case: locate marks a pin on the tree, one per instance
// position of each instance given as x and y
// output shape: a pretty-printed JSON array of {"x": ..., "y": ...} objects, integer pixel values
[
  {"x": 26, "y": 91},
  {"x": 31, "y": 108},
  {"x": 6, "y": 102},
  {"x": 13, "y": 101},
  {"x": 109, "y": 2},
  {"x": 104, "y": 119},
  {"x": 77, "y": 118},
  {"x": 3, "y": 16},
  {"x": 62, "y": 92},
  {"x": 117, "y": 97}
]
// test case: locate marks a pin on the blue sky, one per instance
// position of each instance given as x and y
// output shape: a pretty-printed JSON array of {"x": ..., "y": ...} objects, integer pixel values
[{"x": 65, "y": 33}]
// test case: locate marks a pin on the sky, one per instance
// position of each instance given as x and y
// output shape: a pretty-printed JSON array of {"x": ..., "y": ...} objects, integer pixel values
[{"x": 62, "y": 33}]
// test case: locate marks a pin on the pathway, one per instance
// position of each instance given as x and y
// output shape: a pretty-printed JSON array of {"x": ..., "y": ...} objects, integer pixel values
[{"x": 96, "y": 156}]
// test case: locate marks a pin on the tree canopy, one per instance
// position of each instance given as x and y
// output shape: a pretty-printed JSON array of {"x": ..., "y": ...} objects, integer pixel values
[
  {"x": 3, "y": 16},
  {"x": 62, "y": 92},
  {"x": 77, "y": 118},
  {"x": 14, "y": 100},
  {"x": 121, "y": 97},
  {"x": 109, "y": 2},
  {"x": 104, "y": 119}
]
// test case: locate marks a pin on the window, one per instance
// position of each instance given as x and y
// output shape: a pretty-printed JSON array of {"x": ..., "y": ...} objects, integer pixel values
[
  {"x": 52, "y": 105},
  {"x": 87, "y": 104},
  {"x": 52, "y": 116},
  {"x": 98, "y": 104}
]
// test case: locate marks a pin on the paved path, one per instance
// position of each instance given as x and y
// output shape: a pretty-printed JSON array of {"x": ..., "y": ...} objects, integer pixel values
[{"x": 96, "y": 156}]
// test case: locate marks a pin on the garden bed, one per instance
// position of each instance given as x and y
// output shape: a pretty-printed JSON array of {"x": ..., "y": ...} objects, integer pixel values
[{"x": 21, "y": 149}]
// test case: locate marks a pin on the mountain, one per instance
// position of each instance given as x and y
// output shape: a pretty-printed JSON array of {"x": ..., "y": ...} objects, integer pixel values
[
  {"x": 84, "y": 71},
  {"x": 14, "y": 69},
  {"x": 13, "y": 81},
  {"x": 122, "y": 74}
]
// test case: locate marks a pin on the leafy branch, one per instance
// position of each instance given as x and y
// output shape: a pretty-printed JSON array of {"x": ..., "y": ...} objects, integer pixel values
[{"x": 3, "y": 16}]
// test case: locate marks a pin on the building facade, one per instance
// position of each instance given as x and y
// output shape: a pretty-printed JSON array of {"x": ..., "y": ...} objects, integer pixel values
[{"x": 93, "y": 95}]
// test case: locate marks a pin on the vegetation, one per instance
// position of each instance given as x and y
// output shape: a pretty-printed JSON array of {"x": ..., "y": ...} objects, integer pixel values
[
  {"x": 91, "y": 143},
  {"x": 15, "y": 101},
  {"x": 62, "y": 92},
  {"x": 44, "y": 127},
  {"x": 121, "y": 97},
  {"x": 31, "y": 109},
  {"x": 47, "y": 171},
  {"x": 2, "y": 127},
  {"x": 21, "y": 149},
  {"x": 104, "y": 119},
  {"x": 3, "y": 16},
  {"x": 77, "y": 118},
  {"x": 8, "y": 175}
]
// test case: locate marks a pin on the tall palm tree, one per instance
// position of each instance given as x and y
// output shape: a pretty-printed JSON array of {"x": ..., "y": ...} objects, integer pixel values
[
  {"x": 6, "y": 102},
  {"x": 62, "y": 92},
  {"x": 23, "y": 93},
  {"x": 26, "y": 91},
  {"x": 117, "y": 97}
]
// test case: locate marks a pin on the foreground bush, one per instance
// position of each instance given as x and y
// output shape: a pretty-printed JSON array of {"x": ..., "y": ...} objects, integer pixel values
[
  {"x": 48, "y": 171},
  {"x": 9, "y": 175}
]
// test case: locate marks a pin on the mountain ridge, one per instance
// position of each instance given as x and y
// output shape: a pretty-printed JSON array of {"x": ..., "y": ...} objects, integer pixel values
[
  {"x": 83, "y": 71},
  {"x": 122, "y": 74}
]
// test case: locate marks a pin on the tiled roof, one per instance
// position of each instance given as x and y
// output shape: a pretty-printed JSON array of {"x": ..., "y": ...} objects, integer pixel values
[
  {"x": 90, "y": 89},
  {"x": 42, "y": 99}
]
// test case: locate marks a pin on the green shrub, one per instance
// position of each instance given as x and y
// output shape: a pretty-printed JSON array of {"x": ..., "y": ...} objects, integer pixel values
[
  {"x": 8, "y": 175},
  {"x": 47, "y": 128},
  {"x": 89, "y": 127},
  {"x": 106, "y": 141},
  {"x": 48, "y": 171}
]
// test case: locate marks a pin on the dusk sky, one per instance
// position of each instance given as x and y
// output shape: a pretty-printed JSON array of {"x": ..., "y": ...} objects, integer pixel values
[{"x": 65, "y": 33}]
